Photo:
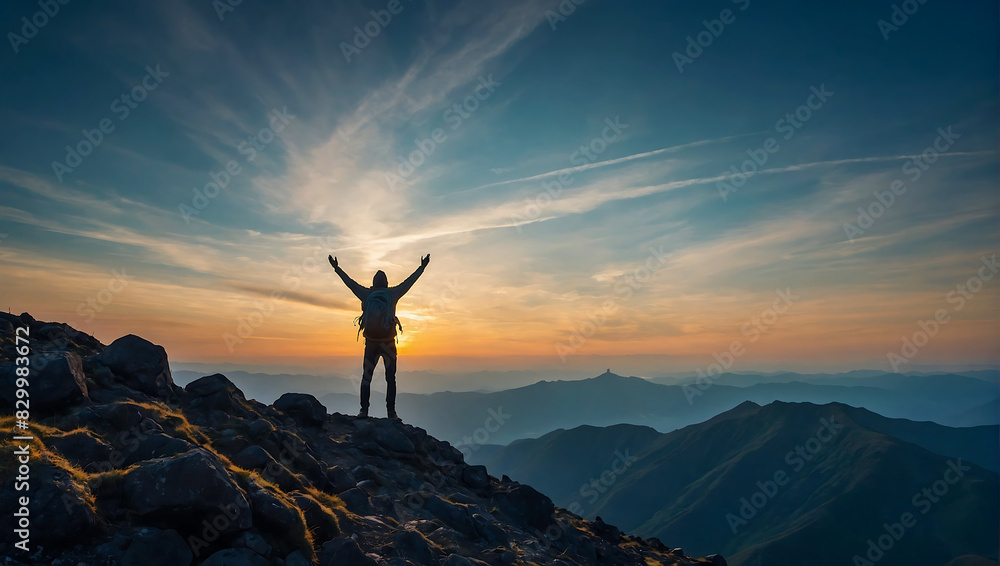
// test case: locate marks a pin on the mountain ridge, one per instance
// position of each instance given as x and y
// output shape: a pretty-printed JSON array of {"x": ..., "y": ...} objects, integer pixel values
[
  {"x": 690, "y": 484},
  {"x": 127, "y": 466}
]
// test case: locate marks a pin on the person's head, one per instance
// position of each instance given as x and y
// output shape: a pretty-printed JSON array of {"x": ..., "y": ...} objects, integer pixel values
[{"x": 380, "y": 280}]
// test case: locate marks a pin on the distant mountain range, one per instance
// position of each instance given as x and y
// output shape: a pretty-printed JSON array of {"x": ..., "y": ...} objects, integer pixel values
[
  {"x": 472, "y": 418},
  {"x": 476, "y": 418},
  {"x": 788, "y": 483}
]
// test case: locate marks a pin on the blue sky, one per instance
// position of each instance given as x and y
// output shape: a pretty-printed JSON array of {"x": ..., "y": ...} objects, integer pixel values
[{"x": 321, "y": 185}]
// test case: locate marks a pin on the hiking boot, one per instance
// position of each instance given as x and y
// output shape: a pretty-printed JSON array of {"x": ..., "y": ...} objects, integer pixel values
[
  {"x": 363, "y": 414},
  {"x": 394, "y": 417}
]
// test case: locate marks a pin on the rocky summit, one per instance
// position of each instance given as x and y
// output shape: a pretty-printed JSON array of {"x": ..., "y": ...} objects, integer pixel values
[{"x": 124, "y": 467}]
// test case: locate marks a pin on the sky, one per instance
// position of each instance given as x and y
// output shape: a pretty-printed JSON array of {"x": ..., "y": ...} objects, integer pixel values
[{"x": 656, "y": 185}]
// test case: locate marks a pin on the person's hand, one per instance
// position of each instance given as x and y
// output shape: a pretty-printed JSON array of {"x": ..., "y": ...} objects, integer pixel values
[
  {"x": 425, "y": 260},
  {"x": 333, "y": 261}
]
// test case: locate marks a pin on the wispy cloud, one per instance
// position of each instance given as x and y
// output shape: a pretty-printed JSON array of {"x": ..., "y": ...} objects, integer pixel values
[{"x": 605, "y": 163}]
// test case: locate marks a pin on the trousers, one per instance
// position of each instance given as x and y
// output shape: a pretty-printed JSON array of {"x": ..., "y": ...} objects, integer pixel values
[{"x": 373, "y": 351}]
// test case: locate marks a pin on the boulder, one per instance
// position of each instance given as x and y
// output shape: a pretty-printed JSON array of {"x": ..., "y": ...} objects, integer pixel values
[
  {"x": 84, "y": 450},
  {"x": 61, "y": 337},
  {"x": 139, "y": 364},
  {"x": 391, "y": 438},
  {"x": 215, "y": 393},
  {"x": 607, "y": 532},
  {"x": 657, "y": 544},
  {"x": 253, "y": 458},
  {"x": 362, "y": 473},
  {"x": 476, "y": 477},
  {"x": 524, "y": 503},
  {"x": 340, "y": 479},
  {"x": 56, "y": 381},
  {"x": 452, "y": 514},
  {"x": 357, "y": 501},
  {"x": 125, "y": 416},
  {"x": 235, "y": 557},
  {"x": 213, "y": 384},
  {"x": 302, "y": 407},
  {"x": 61, "y": 515},
  {"x": 190, "y": 487},
  {"x": 487, "y": 529},
  {"x": 319, "y": 519},
  {"x": 155, "y": 547},
  {"x": 254, "y": 542},
  {"x": 271, "y": 511},
  {"x": 152, "y": 446},
  {"x": 414, "y": 547},
  {"x": 716, "y": 560}
]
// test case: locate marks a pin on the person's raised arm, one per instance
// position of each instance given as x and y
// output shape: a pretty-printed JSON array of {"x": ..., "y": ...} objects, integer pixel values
[
  {"x": 353, "y": 285},
  {"x": 402, "y": 288}
]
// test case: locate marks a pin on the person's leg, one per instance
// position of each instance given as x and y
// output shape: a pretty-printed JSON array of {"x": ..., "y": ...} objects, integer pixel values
[
  {"x": 370, "y": 360},
  {"x": 389, "y": 361}
]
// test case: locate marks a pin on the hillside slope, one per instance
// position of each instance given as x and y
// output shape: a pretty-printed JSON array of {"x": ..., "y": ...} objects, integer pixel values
[
  {"x": 127, "y": 468},
  {"x": 769, "y": 485}
]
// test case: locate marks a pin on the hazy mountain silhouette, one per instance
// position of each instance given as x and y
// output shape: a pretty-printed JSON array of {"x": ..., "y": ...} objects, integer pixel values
[
  {"x": 684, "y": 485},
  {"x": 612, "y": 399}
]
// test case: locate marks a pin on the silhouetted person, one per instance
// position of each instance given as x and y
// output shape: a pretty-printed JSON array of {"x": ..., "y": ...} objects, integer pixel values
[{"x": 378, "y": 322}]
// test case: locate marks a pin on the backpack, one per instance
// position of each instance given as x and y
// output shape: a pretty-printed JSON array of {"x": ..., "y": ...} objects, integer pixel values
[{"x": 378, "y": 319}]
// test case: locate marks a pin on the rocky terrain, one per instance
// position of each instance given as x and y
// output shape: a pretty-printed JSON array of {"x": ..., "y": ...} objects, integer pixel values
[{"x": 127, "y": 468}]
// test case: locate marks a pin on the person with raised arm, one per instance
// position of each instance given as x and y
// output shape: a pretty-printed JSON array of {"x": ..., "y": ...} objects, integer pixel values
[{"x": 378, "y": 323}]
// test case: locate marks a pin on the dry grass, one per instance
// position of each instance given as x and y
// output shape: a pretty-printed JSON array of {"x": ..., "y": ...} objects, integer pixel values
[{"x": 41, "y": 455}]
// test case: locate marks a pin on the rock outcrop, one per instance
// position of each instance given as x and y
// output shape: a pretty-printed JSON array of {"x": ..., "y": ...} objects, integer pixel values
[{"x": 128, "y": 469}]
